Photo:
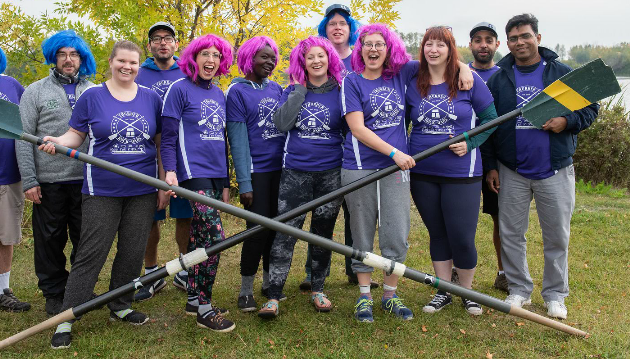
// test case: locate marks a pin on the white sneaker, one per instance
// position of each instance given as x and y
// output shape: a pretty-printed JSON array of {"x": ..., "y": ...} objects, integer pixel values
[
  {"x": 556, "y": 309},
  {"x": 517, "y": 300}
]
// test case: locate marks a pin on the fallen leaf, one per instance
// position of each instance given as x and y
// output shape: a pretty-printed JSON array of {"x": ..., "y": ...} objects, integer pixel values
[
  {"x": 424, "y": 329},
  {"x": 165, "y": 325},
  {"x": 585, "y": 265},
  {"x": 75, "y": 353},
  {"x": 518, "y": 324},
  {"x": 435, "y": 336},
  {"x": 462, "y": 331},
  {"x": 271, "y": 342},
  {"x": 488, "y": 355},
  {"x": 494, "y": 325}
]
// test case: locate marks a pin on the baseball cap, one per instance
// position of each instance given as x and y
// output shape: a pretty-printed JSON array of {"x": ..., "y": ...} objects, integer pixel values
[
  {"x": 484, "y": 26},
  {"x": 161, "y": 25},
  {"x": 340, "y": 7}
]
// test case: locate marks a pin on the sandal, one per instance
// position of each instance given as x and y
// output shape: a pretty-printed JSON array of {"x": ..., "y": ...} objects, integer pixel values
[
  {"x": 320, "y": 304},
  {"x": 268, "y": 311}
]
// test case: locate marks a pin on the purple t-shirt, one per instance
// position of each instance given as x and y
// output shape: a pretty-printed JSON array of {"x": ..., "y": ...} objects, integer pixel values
[
  {"x": 122, "y": 133},
  {"x": 485, "y": 74},
  {"x": 533, "y": 147},
  {"x": 435, "y": 117},
  {"x": 382, "y": 103},
  {"x": 347, "y": 62},
  {"x": 71, "y": 94},
  {"x": 255, "y": 107},
  {"x": 197, "y": 148},
  {"x": 10, "y": 90},
  {"x": 158, "y": 81},
  {"x": 316, "y": 141}
]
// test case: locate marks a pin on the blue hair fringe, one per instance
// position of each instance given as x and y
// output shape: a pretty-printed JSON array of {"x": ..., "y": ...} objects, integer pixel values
[
  {"x": 3, "y": 61},
  {"x": 69, "y": 38},
  {"x": 354, "y": 25}
]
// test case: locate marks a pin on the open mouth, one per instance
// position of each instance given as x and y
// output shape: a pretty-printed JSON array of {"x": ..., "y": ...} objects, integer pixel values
[
  {"x": 208, "y": 69},
  {"x": 317, "y": 67},
  {"x": 125, "y": 72}
]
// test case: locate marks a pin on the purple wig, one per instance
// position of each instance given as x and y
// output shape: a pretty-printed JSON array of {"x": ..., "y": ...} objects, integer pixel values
[
  {"x": 187, "y": 61},
  {"x": 297, "y": 61},
  {"x": 397, "y": 54},
  {"x": 249, "y": 49}
]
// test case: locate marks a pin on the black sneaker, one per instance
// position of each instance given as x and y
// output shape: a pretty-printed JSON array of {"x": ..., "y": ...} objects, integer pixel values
[
  {"x": 146, "y": 293},
  {"x": 247, "y": 303},
  {"x": 181, "y": 281},
  {"x": 265, "y": 293},
  {"x": 472, "y": 307},
  {"x": 61, "y": 340},
  {"x": 438, "y": 302},
  {"x": 214, "y": 321},
  {"x": 134, "y": 317},
  {"x": 192, "y": 309},
  {"x": 53, "y": 305},
  {"x": 9, "y": 303}
]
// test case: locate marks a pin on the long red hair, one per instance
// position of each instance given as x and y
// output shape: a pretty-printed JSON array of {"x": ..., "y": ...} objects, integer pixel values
[{"x": 451, "y": 75}]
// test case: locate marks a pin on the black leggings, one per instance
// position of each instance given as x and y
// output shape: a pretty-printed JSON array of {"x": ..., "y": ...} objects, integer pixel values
[{"x": 265, "y": 188}]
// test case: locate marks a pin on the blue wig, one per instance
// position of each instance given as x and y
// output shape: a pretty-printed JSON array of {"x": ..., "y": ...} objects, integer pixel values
[
  {"x": 3, "y": 61},
  {"x": 354, "y": 25},
  {"x": 69, "y": 38}
]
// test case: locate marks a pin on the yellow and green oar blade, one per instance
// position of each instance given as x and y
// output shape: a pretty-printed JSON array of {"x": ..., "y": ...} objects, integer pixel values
[
  {"x": 11, "y": 123},
  {"x": 579, "y": 88}
]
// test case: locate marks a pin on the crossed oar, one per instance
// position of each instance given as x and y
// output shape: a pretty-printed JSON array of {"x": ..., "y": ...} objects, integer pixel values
[
  {"x": 385, "y": 99},
  {"x": 144, "y": 134},
  {"x": 262, "y": 122},
  {"x": 314, "y": 115},
  {"x": 450, "y": 115},
  {"x": 590, "y": 83}
]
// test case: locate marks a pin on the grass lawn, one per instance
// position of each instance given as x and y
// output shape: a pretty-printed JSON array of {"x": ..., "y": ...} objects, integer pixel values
[{"x": 599, "y": 265}]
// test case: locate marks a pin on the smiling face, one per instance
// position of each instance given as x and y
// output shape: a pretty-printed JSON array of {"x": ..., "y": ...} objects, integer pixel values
[
  {"x": 160, "y": 47},
  {"x": 68, "y": 61},
  {"x": 523, "y": 44},
  {"x": 316, "y": 63},
  {"x": 124, "y": 65},
  {"x": 436, "y": 52},
  {"x": 208, "y": 61},
  {"x": 338, "y": 30},
  {"x": 483, "y": 46},
  {"x": 374, "y": 52},
  {"x": 264, "y": 62}
]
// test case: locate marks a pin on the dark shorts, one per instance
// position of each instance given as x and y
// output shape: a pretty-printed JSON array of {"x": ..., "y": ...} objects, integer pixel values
[
  {"x": 490, "y": 199},
  {"x": 179, "y": 208}
]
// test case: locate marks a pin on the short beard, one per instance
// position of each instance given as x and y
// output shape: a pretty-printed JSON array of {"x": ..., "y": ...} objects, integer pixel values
[
  {"x": 481, "y": 60},
  {"x": 162, "y": 59}
]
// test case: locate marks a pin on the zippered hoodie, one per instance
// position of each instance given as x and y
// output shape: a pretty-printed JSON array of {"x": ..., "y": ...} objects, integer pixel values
[{"x": 45, "y": 111}]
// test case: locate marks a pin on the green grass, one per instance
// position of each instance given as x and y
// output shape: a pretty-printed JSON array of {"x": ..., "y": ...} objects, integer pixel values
[{"x": 599, "y": 269}]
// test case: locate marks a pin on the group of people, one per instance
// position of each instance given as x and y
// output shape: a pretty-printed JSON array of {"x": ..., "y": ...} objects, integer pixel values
[{"x": 353, "y": 92}]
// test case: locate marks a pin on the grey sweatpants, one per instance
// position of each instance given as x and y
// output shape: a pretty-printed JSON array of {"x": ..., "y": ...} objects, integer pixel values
[
  {"x": 555, "y": 200},
  {"x": 386, "y": 202},
  {"x": 103, "y": 217}
]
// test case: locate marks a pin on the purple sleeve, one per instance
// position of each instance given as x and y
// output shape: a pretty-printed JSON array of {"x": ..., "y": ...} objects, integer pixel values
[
  {"x": 350, "y": 95},
  {"x": 409, "y": 70},
  {"x": 173, "y": 102},
  {"x": 285, "y": 95},
  {"x": 170, "y": 134},
  {"x": 157, "y": 101},
  {"x": 19, "y": 89},
  {"x": 80, "y": 114},
  {"x": 234, "y": 107},
  {"x": 480, "y": 96}
]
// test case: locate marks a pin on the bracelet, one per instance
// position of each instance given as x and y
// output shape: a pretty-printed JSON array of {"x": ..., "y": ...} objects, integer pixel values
[
  {"x": 466, "y": 136},
  {"x": 391, "y": 154}
]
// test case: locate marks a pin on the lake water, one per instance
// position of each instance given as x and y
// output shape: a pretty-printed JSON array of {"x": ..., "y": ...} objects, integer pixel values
[{"x": 625, "y": 85}]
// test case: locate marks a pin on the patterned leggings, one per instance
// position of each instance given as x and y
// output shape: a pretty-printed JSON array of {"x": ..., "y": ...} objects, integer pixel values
[{"x": 205, "y": 230}]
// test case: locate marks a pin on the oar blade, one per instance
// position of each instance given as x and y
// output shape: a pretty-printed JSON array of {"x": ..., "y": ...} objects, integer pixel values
[
  {"x": 10, "y": 121},
  {"x": 579, "y": 88}
]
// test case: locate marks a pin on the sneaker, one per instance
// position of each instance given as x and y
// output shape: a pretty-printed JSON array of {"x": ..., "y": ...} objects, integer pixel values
[
  {"x": 214, "y": 321},
  {"x": 9, "y": 303},
  {"x": 181, "y": 281},
  {"x": 265, "y": 293},
  {"x": 305, "y": 285},
  {"x": 61, "y": 340},
  {"x": 501, "y": 283},
  {"x": 53, "y": 305},
  {"x": 395, "y": 306},
  {"x": 363, "y": 309},
  {"x": 146, "y": 293},
  {"x": 247, "y": 303},
  {"x": 134, "y": 317},
  {"x": 517, "y": 300},
  {"x": 454, "y": 277},
  {"x": 472, "y": 307},
  {"x": 439, "y": 301},
  {"x": 556, "y": 309},
  {"x": 192, "y": 309}
]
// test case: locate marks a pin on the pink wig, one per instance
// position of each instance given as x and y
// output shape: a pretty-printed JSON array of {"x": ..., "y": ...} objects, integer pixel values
[
  {"x": 249, "y": 49},
  {"x": 396, "y": 56},
  {"x": 297, "y": 61},
  {"x": 187, "y": 61}
]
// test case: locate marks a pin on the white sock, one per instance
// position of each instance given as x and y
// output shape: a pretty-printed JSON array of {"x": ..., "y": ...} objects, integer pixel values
[
  {"x": 365, "y": 290},
  {"x": 193, "y": 301},
  {"x": 183, "y": 273},
  {"x": 204, "y": 309},
  {"x": 4, "y": 280},
  {"x": 148, "y": 270},
  {"x": 501, "y": 272}
]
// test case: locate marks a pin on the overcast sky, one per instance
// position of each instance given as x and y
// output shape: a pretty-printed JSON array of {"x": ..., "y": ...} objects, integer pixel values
[{"x": 561, "y": 21}]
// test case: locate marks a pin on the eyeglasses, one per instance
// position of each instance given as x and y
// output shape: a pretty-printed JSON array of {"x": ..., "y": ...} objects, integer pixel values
[
  {"x": 64, "y": 55},
  {"x": 335, "y": 24},
  {"x": 377, "y": 45},
  {"x": 440, "y": 27},
  {"x": 524, "y": 37},
  {"x": 158, "y": 39},
  {"x": 213, "y": 55}
]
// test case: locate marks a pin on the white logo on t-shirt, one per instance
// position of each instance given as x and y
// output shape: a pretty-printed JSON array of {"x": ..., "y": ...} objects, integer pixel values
[
  {"x": 130, "y": 130},
  {"x": 524, "y": 94},
  {"x": 387, "y": 107},
  {"x": 161, "y": 86},
  {"x": 266, "y": 108},
  {"x": 313, "y": 121},
  {"x": 213, "y": 118},
  {"x": 436, "y": 112}
]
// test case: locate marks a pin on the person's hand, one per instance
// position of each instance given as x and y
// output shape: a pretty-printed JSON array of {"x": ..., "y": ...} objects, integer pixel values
[
  {"x": 492, "y": 179},
  {"x": 34, "y": 194},
  {"x": 171, "y": 180},
  {"x": 459, "y": 148},
  {"x": 162, "y": 199},
  {"x": 226, "y": 195},
  {"x": 247, "y": 199},
  {"x": 49, "y": 144},
  {"x": 466, "y": 80},
  {"x": 403, "y": 160},
  {"x": 556, "y": 124}
]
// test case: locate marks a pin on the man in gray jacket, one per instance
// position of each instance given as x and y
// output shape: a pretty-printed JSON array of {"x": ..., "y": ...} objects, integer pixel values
[{"x": 53, "y": 183}]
